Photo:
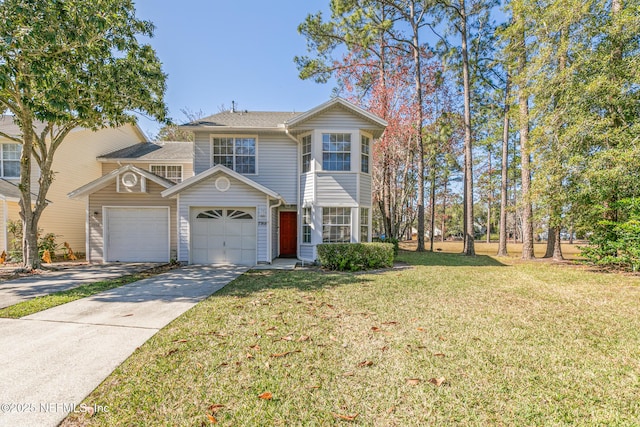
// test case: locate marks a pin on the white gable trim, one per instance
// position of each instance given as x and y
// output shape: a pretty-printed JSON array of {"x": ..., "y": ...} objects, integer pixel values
[
  {"x": 105, "y": 180},
  {"x": 336, "y": 101},
  {"x": 212, "y": 171}
]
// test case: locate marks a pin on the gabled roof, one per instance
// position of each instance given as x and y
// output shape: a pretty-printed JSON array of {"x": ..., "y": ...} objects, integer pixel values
[
  {"x": 243, "y": 120},
  {"x": 337, "y": 101},
  {"x": 152, "y": 152},
  {"x": 105, "y": 180},
  {"x": 212, "y": 171}
]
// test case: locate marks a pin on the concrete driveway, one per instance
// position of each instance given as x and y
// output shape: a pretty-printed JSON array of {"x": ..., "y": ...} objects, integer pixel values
[
  {"x": 50, "y": 361},
  {"x": 25, "y": 288}
]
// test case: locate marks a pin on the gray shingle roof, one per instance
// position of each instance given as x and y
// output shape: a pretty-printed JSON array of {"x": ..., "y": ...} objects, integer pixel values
[
  {"x": 9, "y": 189},
  {"x": 158, "y": 151},
  {"x": 245, "y": 119}
]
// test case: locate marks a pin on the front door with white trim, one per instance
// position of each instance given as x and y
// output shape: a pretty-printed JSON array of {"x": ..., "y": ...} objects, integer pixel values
[{"x": 223, "y": 236}]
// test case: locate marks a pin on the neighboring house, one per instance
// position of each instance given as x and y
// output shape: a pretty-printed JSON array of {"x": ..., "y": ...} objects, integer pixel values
[
  {"x": 74, "y": 163},
  {"x": 266, "y": 185},
  {"x": 127, "y": 218}
]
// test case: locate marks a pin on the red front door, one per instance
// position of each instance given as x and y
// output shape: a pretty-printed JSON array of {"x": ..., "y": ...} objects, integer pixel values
[{"x": 288, "y": 234}]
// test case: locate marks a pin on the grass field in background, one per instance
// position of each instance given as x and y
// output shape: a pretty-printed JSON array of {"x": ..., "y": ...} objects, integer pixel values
[{"x": 442, "y": 339}]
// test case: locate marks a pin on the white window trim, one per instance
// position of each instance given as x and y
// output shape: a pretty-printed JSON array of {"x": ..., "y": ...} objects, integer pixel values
[
  {"x": 368, "y": 135},
  {"x": 211, "y": 138},
  {"x": 152, "y": 165},
  {"x": 2, "y": 174},
  {"x": 350, "y": 225},
  {"x": 319, "y": 152},
  {"x": 311, "y": 159}
]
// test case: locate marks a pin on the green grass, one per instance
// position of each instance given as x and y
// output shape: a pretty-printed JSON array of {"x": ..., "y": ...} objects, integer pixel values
[
  {"x": 520, "y": 344},
  {"x": 45, "y": 302}
]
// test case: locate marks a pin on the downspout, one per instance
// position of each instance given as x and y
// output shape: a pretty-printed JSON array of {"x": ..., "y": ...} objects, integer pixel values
[{"x": 298, "y": 204}]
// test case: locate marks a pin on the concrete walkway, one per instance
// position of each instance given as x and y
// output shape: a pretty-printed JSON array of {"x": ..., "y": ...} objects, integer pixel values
[
  {"x": 25, "y": 288},
  {"x": 50, "y": 361}
]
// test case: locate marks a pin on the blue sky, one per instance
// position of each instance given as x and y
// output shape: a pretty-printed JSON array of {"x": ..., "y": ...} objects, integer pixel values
[{"x": 217, "y": 51}]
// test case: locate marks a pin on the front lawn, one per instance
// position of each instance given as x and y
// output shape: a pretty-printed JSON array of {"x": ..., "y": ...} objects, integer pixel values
[{"x": 440, "y": 340}]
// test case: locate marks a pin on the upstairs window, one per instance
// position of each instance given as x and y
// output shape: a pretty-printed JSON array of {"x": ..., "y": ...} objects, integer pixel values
[
  {"x": 365, "y": 145},
  {"x": 238, "y": 154},
  {"x": 336, "y": 151},
  {"x": 10, "y": 160},
  {"x": 170, "y": 172},
  {"x": 306, "y": 153}
]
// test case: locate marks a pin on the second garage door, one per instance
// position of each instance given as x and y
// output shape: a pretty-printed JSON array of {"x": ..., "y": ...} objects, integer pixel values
[
  {"x": 223, "y": 236},
  {"x": 137, "y": 234}
]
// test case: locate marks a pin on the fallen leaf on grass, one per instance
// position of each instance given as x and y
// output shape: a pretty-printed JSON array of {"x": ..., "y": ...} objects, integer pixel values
[
  {"x": 170, "y": 352},
  {"x": 439, "y": 354},
  {"x": 375, "y": 329},
  {"x": 421, "y": 329},
  {"x": 182, "y": 340},
  {"x": 215, "y": 407},
  {"x": 249, "y": 356},
  {"x": 391, "y": 410},
  {"x": 212, "y": 419},
  {"x": 287, "y": 338},
  {"x": 303, "y": 338},
  {"x": 345, "y": 417},
  {"x": 285, "y": 353},
  {"x": 390, "y": 323},
  {"x": 348, "y": 374},
  {"x": 255, "y": 347},
  {"x": 437, "y": 381},
  {"x": 384, "y": 348},
  {"x": 266, "y": 396},
  {"x": 365, "y": 363},
  {"x": 413, "y": 381},
  {"x": 314, "y": 386}
]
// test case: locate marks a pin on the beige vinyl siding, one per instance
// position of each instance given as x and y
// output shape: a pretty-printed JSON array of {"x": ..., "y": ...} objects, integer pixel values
[
  {"x": 365, "y": 190},
  {"x": 339, "y": 189},
  {"x": 205, "y": 194},
  {"x": 75, "y": 165},
  {"x": 187, "y": 168},
  {"x": 109, "y": 197}
]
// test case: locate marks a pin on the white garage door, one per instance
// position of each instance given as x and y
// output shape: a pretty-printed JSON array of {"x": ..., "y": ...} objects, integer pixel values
[
  {"x": 223, "y": 236},
  {"x": 137, "y": 234}
]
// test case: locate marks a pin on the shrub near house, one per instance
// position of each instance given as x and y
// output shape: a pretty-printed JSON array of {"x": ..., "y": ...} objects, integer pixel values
[{"x": 355, "y": 256}]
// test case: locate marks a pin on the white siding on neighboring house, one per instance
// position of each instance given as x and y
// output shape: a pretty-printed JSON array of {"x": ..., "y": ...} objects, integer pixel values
[
  {"x": 238, "y": 195},
  {"x": 339, "y": 189}
]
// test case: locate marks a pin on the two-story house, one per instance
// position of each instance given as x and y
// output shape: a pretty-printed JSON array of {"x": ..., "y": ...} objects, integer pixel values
[
  {"x": 74, "y": 163},
  {"x": 265, "y": 185}
]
